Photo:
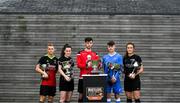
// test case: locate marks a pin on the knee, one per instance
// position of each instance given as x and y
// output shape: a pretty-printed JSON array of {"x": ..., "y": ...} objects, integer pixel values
[
  {"x": 42, "y": 99},
  {"x": 50, "y": 99},
  {"x": 129, "y": 96},
  {"x": 136, "y": 96},
  {"x": 62, "y": 100}
]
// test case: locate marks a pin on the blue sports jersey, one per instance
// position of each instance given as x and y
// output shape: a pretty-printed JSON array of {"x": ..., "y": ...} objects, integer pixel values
[
  {"x": 117, "y": 59},
  {"x": 113, "y": 59}
]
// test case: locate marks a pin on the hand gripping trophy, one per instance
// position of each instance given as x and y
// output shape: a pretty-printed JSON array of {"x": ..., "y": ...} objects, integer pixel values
[
  {"x": 115, "y": 68},
  {"x": 136, "y": 66},
  {"x": 44, "y": 67},
  {"x": 96, "y": 65},
  {"x": 67, "y": 67}
]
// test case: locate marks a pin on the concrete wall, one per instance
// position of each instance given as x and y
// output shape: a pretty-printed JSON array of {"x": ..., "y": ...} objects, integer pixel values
[{"x": 23, "y": 40}]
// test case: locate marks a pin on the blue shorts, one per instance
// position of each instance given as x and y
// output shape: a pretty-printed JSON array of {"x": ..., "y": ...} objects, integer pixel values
[{"x": 116, "y": 87}]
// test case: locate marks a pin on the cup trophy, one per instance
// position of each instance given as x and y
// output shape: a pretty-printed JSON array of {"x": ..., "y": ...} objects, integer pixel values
[
  {"x": 96, "y": 65},
  {"x": 67, "y": 67},
  {"x": 135, "y": 66},
  {"x": 44, "y": 67}
]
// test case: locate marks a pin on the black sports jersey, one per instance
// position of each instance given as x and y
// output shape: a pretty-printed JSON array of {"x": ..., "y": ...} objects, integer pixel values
[
  {"x": 129, "y": 61},
  {"x": 52, "y": 67},
  {"x": 64, "y": 61}
]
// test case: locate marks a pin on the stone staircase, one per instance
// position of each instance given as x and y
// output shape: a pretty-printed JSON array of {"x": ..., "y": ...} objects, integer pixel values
[{"x": 23, "y": 40}]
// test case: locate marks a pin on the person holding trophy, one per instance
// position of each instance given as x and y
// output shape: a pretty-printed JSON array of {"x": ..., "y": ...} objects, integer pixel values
[
  {"x": 132, "y": 68},
  {"x": 84, "y": 63},
  {"x": 112, "y": 63},
  {"x": 47, "y": 67},
  {"x": 66, "y": 81}
]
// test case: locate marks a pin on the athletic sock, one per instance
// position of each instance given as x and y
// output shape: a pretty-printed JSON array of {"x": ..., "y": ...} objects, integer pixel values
[
  {"x": 118, "y": 100},
  {"x": 108, "y": 100}
]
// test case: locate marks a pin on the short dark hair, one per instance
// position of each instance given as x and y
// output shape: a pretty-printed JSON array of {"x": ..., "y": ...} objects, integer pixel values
[
  {"x": 88, "y": 39},
  {"x": 111, "y": 43},
  {"x": 50, "y": 44}
]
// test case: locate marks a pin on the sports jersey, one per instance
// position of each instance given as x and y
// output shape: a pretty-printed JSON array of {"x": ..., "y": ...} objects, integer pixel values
[
  {"x": 52, "y": 67},
  {"x": 82, "y": 58},
  {"x": 129, "y": 61}
]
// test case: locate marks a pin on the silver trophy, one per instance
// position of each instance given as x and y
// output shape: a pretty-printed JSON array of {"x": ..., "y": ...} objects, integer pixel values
[
  {"x": 67, "y": 67},
  {"x": 136, "y": 66},
  {"x": 96, "y": 65},
  {"x": 44, "y": 67}
]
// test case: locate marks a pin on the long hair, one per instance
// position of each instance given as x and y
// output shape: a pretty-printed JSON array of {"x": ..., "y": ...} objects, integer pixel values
[
  {"x": 64, "y": 48},
  {"x": 129, "y": 43}
]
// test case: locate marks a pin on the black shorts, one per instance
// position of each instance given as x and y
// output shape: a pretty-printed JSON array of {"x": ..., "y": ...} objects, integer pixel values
[
  {"x": 47, "y": 90},
  {"x": 80, "y": 86},
  {"x": 65, "y": 85},
  {"x": 132, "y": 84}
]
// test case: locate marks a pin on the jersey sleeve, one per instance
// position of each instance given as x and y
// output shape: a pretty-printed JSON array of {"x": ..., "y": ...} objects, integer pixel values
[
  {"x": 104, "y": 65},
  {"x": 97, "y": 57},
  {"x": 79, "y": 61},
  {"x": 41, "y": 60},
  {"x": 72, "y": 62},
  {"x": 60, "y": 61},
  {"x": 139, "y": 60},
  {"x": 124, "y": 64},
  {"x": 57, "y": 61}
]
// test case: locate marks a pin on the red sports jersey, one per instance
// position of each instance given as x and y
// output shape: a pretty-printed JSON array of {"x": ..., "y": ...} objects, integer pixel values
[
  {"x": 82, "y": 58},
  {"x": 51, "y": 71},
  {"x": 51, "y": 80}
]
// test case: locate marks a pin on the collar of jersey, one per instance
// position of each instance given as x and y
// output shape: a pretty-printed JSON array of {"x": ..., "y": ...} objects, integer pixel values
[
  {"x": 50, "y": 56},
  {"x": 112, "y": 54}
]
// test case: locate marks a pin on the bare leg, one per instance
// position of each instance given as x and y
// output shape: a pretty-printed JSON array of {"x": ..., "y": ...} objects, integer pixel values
[
  {"x": 80, "y": 97},
  {"x": 50, "y": 99},
  {"x": 62, "y": 96},
  {"x": 136, "y": 95},
  {"x": 42, "y": 98},
  {"x": 129, "y": 96},
  {"x": 68, "y": 96}
]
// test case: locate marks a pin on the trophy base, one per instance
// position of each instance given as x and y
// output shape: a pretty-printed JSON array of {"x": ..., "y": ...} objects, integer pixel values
[{"x": 95, "y": 72}]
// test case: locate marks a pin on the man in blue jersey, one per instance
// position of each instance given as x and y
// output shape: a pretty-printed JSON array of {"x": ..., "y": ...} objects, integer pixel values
[{"x": 112, "y": 63}]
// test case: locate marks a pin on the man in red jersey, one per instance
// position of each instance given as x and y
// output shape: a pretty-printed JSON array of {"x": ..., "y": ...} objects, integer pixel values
[
  {"x": 84, "y": 63},
  {"x": 47, "y": 67}
]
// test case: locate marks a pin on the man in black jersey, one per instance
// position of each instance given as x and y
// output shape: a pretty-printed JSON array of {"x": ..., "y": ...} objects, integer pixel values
[{"x": 47, "y": 66}]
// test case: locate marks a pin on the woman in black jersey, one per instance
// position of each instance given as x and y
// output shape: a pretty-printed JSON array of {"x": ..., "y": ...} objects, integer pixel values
[
  {"x": 132, "y": 68},
  {"x": 66, "y": 83}
]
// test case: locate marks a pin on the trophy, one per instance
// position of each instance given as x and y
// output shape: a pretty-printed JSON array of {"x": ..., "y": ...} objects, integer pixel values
[
  {"x": 135, "y": 65},
  {"x": 114, "y": 66},
  {"x": 44, "y": 67},
  {"x": 66, "y": 65},
  {"x": 96, "y": 65}
]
